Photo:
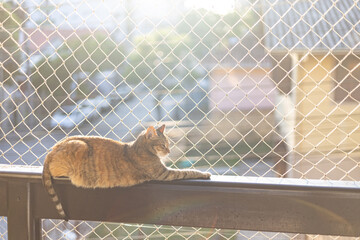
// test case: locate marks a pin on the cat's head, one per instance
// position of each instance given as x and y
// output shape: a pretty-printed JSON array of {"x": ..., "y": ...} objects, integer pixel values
[{"x": 157, "y": 141}]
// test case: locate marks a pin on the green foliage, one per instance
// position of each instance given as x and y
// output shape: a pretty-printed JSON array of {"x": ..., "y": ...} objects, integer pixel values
[
  {"x": 161, "y": 56},
  {"x": 88, "y": 54},
  {"x": 206, "y": 29},
  {"x": 167, "y": 58},
  {"x": 172, "y": 56},
  {"x": 11, "y": 19}
]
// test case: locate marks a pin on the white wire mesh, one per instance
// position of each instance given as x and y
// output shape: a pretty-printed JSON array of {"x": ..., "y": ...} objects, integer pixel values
[{"x": 264, "y": 88}]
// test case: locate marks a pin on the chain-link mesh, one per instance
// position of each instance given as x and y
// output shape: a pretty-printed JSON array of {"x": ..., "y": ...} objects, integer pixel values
[{"x": 266, "y": 88}]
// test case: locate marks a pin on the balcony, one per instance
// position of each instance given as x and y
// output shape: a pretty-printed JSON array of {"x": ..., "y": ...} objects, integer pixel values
[{"x": 225, "y": 202}]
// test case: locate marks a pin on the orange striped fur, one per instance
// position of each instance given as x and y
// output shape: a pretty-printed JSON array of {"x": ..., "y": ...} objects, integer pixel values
[{"x": 97, "y": 162}]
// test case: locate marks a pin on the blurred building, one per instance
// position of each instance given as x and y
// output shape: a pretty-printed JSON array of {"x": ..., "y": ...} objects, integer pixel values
[{"x": 315, "y": 47}]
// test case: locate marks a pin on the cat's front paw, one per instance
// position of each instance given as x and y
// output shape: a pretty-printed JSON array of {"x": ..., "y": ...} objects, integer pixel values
[{"x": 206, "y": 175}]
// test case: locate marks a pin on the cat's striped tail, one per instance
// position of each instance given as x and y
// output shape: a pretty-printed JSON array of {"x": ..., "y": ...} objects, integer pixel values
[{"x": 47, "y": 182}]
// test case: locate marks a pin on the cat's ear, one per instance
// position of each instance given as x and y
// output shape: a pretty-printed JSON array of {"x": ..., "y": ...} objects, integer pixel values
[
  {"x": 150, "y": 132},
  {"x": 161, "y": 129}
]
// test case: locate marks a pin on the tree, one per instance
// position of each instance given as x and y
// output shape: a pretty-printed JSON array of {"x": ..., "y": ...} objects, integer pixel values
[
  {"x": 11, "y": 19},
  {"x": 209, "y": 32},
  {"x": 162, "y": 59},
  {"x": 57, "y": 74}
]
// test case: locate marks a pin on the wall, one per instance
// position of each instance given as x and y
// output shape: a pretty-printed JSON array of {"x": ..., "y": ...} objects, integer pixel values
[
  {"x": 241, "y": 88},
  {"x": 326, "y": 133}
]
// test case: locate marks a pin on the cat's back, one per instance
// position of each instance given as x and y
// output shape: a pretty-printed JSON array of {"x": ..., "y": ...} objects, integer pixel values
[
  {"x": 93, "y": 143},
  {"x": 92, "y": 139},
  {"x": 96, "y": 142}
]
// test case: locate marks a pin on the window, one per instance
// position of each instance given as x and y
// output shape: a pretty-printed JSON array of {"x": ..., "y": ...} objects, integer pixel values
[{"x": 347, "y": 77}]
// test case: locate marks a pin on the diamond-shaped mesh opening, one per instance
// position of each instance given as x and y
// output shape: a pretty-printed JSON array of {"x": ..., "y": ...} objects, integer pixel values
[
  {"x": 266, "y": 88},
  {"x": 54, "y": 229}
]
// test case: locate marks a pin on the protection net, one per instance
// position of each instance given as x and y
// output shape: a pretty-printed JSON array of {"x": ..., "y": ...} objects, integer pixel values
[{"x": 266, "y": 88}]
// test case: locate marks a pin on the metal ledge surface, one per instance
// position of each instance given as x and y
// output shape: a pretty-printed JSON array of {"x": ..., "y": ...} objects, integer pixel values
[{"x": 243, "y": 203}]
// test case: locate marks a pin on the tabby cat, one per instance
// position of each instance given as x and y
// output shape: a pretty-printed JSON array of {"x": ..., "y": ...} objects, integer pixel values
[{"x": 97, "y": 162}]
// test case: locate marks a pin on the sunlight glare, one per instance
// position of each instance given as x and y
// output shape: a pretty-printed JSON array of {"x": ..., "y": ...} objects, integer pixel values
[{"x": 217, "y": 6}]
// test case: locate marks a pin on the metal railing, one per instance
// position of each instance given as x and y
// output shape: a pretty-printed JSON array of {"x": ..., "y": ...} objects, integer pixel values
[{"x": 247, "y": 203}]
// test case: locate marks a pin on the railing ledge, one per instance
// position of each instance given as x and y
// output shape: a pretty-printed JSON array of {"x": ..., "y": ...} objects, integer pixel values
[{"x": 244, "y": 203}]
